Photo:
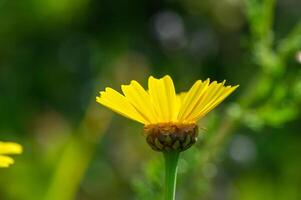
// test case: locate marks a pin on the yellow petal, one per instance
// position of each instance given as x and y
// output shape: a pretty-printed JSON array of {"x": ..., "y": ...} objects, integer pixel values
[
  {"x": 164, "y": 99},
  {"x": 154, "y": 90},
  {"x": 209, "y": 95},
  {"x": 216, "y": 97},
  {"x": 224, "y": 95},
  {"x": 171, "y": 97},
  {"x": 161, "y": 104},
  {"x": 140, "y": 99},
  {"x": 10, "y": 148},
  {"x": 118, "y": 103},
  {"x": 213, "y": 91},
  {"x": 180, "y": 98},
  {"x": 192, "y": 98},
  {"x": 6, "y": 161}
]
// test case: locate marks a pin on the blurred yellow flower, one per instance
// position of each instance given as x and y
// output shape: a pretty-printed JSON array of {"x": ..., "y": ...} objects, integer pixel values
[
  {"x": 161, "y": 104},
  {"x": 8, "y": 148}
]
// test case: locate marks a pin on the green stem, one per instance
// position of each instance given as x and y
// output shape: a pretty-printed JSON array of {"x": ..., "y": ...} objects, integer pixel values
[{"x": 171, "y": 167}]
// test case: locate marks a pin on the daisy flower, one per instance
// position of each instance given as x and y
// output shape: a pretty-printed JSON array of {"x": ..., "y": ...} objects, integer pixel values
[
  {"x": 170, "y": 119},
  {"x": 7, "y": 148}
]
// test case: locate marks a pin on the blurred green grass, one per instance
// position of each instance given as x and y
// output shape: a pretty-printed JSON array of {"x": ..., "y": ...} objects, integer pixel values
[{"x": 56, "y": 55}]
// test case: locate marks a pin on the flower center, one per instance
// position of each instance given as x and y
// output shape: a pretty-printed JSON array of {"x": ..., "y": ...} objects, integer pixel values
[{"x": 171, "y": 136}]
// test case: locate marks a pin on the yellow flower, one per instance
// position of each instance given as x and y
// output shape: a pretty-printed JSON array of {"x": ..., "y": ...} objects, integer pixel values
[
  {"x": 162, "y": 111},
  {"x": 8, "y": 148}
]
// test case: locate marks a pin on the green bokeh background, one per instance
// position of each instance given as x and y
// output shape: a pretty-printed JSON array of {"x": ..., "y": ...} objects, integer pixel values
[{"x": 56, "y": 55}]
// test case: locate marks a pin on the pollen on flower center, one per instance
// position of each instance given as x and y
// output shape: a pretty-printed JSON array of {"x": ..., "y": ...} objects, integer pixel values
[{"x": 171, "y": 136}]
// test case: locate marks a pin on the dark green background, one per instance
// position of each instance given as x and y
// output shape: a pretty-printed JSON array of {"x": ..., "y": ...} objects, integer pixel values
[{"x": 56, "y": 55}]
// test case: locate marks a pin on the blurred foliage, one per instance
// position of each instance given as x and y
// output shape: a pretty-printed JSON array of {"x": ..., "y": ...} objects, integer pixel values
[{"x": 56, "y": 55}]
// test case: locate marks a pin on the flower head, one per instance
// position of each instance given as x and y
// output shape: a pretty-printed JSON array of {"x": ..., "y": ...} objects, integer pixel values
[
  {"x": 162, "y": 111},
  {"x": 8, "y": 148}
]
